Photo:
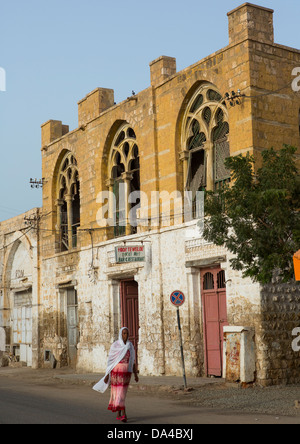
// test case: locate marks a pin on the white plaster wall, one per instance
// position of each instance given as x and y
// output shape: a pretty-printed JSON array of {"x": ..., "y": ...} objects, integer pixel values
[
  {"x": 21, "y": 267},
  {"x": 163, "y": 272}
]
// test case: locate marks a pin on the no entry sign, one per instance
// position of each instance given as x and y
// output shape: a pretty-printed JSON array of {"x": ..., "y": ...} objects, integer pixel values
[{"x": 177, "y": 298}]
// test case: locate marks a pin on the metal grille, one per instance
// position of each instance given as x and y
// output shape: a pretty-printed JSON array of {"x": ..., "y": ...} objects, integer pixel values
[
  {"x": 207, "y": 115},
  {"x": 221, "y": 279},
  {"x": 198, "y": 102},
  {"x": 198, "y": 179},
  {"x": 198, "y": 138},
  {"x": 120, "y": 138},
  {"x": 63, "y": 241},
  {"x": 214, "y": 95},
  {"x": 120, "y": 226},
  {"x": 222, "y": 129},
  {"x": 222, "y": 151},
  {"x": 208, "y": 281}
]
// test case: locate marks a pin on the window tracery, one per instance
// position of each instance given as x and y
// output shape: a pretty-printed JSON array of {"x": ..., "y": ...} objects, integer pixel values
[
  {"x": 205, "y": 141},
  {"x": 68, "y": 202},
  {"x": 124, "y": 179}
]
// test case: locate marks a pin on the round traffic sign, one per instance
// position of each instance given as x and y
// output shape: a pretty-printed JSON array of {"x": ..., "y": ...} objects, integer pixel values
[{"x": 177, "y": 298}]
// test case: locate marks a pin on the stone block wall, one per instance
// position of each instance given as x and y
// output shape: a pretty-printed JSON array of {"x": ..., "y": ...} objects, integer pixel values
[{"x": 277, "y": 362}]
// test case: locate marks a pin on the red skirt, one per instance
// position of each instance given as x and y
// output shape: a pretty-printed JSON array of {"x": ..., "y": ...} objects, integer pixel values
[{"x": 120, "y": 380}]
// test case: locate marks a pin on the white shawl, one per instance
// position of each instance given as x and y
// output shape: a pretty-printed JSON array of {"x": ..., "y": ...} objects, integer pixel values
[{"x": 117, "y": 353}]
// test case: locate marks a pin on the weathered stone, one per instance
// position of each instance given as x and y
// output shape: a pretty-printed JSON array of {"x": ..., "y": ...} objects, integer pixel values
[{"x": 175, "y": 254}]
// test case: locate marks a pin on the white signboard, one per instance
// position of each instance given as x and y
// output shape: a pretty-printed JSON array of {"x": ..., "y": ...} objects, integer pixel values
[{"x": 134, "y": 253}]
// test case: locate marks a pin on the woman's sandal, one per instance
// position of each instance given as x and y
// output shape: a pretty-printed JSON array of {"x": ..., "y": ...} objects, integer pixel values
[{"x": 123, "y": 418}]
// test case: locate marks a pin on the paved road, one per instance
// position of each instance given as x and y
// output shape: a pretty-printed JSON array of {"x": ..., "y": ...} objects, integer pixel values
[{"x": 28, "y": 403}]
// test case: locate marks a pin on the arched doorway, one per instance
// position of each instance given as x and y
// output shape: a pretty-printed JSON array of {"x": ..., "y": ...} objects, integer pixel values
[{"x": 19, "y": 282}]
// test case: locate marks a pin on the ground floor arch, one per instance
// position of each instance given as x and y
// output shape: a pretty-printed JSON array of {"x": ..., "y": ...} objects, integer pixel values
[{"x": 19, "y": 280}]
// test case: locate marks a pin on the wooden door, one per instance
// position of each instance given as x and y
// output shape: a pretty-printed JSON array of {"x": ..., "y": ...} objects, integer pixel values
[
  {"x": 22, "y": 325},
  {"x": 72, "y": 325},
  {"x": 215, "y": 317},
  {"x": 130, "y": 311}
]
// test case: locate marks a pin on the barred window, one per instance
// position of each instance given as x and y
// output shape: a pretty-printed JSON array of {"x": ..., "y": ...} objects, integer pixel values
[
  {"x": 208, "y": 281},
  {"x": 68, "y": 203},
  {"x": 205, "y": 137},
  {"x": 124, "y": 175}
]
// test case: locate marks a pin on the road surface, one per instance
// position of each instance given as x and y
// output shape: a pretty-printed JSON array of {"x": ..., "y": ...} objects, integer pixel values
[{"x": 23, "y": 402}]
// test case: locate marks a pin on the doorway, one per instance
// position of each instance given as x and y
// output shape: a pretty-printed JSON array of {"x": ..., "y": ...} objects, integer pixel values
[
  {"x": 22, "y": 326},
  {"x": 69, "y": 322},
  {"x": 213, "y": 288},
  {"x": 130, "y": 311}
]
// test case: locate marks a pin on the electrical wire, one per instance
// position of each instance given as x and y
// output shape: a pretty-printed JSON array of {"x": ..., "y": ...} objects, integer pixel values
[
  {"x": 140, "y": 221},
  {"x": 266, "y": 94},
  {"x": 8, "y": 209},
  {"x": 16, "y": 240},
  {"x": 27, "y": 231}
]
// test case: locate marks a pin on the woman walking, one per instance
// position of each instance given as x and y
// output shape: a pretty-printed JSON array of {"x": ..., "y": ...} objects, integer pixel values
[{"x": 121, "y": 365}]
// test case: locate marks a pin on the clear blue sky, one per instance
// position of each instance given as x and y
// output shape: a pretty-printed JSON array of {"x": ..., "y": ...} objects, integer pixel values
[{"x": 55, "y": 52}]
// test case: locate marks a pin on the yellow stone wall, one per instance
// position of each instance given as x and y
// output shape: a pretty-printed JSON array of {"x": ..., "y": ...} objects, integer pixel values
[{"x": 268, "y": 116}]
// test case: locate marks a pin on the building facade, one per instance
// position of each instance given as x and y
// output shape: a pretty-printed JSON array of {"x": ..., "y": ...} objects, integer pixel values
[
  {"x": 119, "y": 229},
  {"x": 20, "y": 288}
]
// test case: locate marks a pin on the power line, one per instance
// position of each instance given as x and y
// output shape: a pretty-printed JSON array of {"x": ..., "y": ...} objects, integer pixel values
[
  {"x": 234, "y": 98},
  {"x": 27, "y": 231},
  {"x": 161, "y": 217},
  {"x": 16, "y": 240},
  {"x": 4, "y": 208},
  {"x": 269, "y": 93}
]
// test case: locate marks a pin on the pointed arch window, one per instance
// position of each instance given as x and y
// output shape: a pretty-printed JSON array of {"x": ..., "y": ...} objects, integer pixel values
[
  {"x": 124, "y": 179},
  {"x": 205, "y": 141},
  {"x": 68, "y": 202}
]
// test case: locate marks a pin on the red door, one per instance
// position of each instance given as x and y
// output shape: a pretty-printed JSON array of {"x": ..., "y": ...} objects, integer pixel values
[
  {"x": 215, "y": 317},
  {"x": 130, "y": 310}
]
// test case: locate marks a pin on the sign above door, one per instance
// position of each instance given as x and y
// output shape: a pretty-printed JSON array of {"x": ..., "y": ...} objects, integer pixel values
[{"x": 133, "y": 253}]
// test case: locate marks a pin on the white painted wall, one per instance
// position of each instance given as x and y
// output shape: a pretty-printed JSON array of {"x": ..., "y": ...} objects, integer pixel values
[{"x": 163, "y": 272}]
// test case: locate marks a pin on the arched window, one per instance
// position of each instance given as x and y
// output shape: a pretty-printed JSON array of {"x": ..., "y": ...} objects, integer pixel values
[
  {"x": 221, "y": 279},
  {"x": 68, "y": 202},
  {"x": 208, "y": 281},
  {"x": 124, "y": 179},
  {"x": 205, "y": 142}
]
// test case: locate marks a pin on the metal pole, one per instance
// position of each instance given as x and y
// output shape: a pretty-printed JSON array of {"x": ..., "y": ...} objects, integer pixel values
[{"x": 181, "y": 348}]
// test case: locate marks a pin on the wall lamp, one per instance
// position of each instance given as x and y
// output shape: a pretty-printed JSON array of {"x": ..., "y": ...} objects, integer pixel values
[{"x": 234, "y": 98}]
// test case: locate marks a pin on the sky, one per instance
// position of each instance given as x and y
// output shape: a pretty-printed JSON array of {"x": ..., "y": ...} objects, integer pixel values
[{"x": 54, "y": 53}]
